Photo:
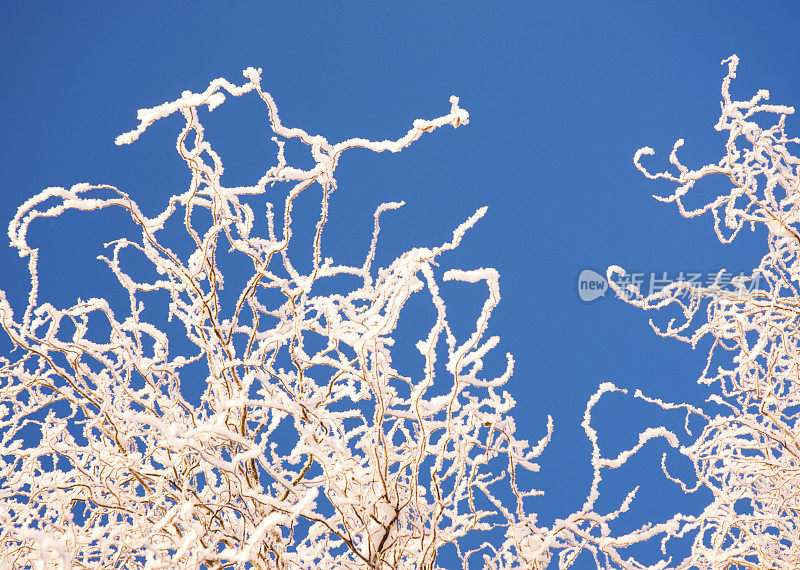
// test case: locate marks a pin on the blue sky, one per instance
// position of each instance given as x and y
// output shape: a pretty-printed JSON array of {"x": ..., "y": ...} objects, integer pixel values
[{"x": 560, "y": 96}]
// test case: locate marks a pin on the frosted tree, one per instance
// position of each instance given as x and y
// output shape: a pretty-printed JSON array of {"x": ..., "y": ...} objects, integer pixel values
[
  {"x": 312, "y": 446},
  {"x": 748, "y": 455}
]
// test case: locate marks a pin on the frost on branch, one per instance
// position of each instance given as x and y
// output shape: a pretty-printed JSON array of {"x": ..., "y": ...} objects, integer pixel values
[
  {"x": 310, "y": 447},
  {"x": 749, "y": 454}
]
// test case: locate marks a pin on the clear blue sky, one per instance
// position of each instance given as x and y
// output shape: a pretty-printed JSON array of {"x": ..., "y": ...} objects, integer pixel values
[{"x": 560, "y": 94}]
